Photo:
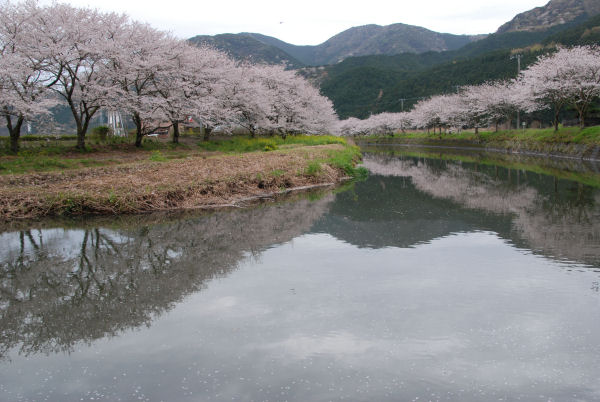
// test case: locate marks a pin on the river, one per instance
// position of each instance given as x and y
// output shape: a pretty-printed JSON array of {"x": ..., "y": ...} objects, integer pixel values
[{"x": 446, "y": 276}]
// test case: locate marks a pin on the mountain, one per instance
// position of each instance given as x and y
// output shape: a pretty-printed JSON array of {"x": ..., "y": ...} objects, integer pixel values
[
  {"x": 385, "y": 40},
  {"x": 360, "y": 86},
  {"x": 305, "y": 54},
  {"x": 556, "y": 12},
  {"x": 369, "y": 80},
  {"x": 244, "y": 46},
  {"x": 357, "y": 41}
]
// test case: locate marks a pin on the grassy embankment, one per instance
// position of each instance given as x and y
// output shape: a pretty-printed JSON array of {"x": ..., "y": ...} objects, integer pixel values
[
  {"x": 568, "y": 141},
  {"x": 118, "y": 178}
]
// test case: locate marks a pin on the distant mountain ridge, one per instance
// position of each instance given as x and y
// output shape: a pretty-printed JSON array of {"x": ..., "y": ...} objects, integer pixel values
[
  {"x": 357, "y": 41},
  {"x": 556, "y": 12},
  {"x": 384, "y": 40},
  {"x": 246, "y": 47}
]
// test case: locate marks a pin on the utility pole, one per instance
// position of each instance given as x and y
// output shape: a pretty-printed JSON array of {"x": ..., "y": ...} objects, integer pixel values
[
  {"x": 518, "y": 57},
  {"x": 402, "y": 103}
]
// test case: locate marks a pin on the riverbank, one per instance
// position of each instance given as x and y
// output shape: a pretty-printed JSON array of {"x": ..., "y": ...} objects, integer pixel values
[
  {"x": 582, "y": 171},
  {"x": 192, "y": 180},
  {"x": 570, "y": 142}
]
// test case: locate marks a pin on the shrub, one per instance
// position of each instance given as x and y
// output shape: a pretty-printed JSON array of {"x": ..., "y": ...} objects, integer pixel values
[{"x": 101, "y": 132}]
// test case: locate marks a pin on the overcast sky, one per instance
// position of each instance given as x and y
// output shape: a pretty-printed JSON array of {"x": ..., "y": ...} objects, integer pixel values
[{"x": 310, "y": 22}]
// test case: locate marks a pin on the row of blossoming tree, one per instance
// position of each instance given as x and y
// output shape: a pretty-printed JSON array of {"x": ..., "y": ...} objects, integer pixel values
[
  {"x": 567, "y": 77},
  {"x": 91, "y": 60}
]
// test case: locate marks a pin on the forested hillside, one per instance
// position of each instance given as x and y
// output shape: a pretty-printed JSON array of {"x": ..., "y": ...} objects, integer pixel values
[
  {"x": 367, "y": 90},
  {"x": 366, "y": 85},
  {"x": 586, "y": 33}
]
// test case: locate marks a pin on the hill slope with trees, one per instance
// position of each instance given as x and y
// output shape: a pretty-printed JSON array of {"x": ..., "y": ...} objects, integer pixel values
[{"x": 366, "y": 85}]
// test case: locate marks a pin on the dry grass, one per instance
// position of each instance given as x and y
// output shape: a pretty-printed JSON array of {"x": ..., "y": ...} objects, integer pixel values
[{"x": 142, "y": 185}]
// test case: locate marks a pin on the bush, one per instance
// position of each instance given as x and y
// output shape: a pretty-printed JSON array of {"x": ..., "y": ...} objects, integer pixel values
[
  {"x": 313, "y": 168},
  {"x": 100, "y": 133}
]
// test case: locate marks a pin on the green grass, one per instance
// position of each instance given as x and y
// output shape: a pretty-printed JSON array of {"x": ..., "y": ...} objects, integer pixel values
[
  {"x": 27, "y": 164},
  {"x": 157, "y": 156},
  {"x": 313, "y": 168},
  {"x": 247, "y": 144},
  {"x": 41, "y": 137},
  {"x": 60, "y": 156},
  {"x": 346, "y": 159}
]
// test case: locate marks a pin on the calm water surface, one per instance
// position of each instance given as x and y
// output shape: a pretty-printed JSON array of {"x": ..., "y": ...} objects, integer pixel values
[{"x": 435, "y": 279}]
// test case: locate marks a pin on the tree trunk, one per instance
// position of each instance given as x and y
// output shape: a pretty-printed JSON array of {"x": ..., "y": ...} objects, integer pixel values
[
  {"x": 80, "y": 140},
  {"x": 138, "y": 129},
  {"x": 496, "y": 126},
  {"x": 80, "y": 135},
  {"x": 82, "y": 121},
  {"x": 175, "y": 131},
  {"x": 556, "y": 113},
  {"x": 476, "y": 130},
  {"x": 207, "y": 131},
  {"x": 15, "y": 132},
  {"x": 138, "y": 139},
  {"x": 582, "y": 112}
]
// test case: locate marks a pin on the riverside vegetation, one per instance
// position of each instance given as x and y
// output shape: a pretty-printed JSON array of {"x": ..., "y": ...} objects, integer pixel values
[{"x": 116, "y": 178}]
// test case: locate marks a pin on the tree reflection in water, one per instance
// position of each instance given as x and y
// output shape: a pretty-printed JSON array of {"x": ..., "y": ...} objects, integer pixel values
[
  {"x": 562, "y": 222},
  {"x": 60, "y": 287}
]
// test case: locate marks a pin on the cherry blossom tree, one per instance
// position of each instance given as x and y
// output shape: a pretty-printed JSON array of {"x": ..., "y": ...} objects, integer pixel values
[
  {"x": 546, "y": 85},
  {"x": 80, "y": 43},
  {"x": 316, "y": 114},
  {"x": 232, "y": 95},
  {"x": 93, "y": 60},
  {"x": 433, "y": 112},
  {"x": 294, "y": 105},
  {"x": 504, "y": 99},
  {"x": 23, "y": 85},
  {"x": 569, "y": 76},
  {"x": 351, "y": 126},
  {"x": 173, "y": 89},
  {"x": 582, "y": 69},
  {"x": 382, "y": 123},
  {"x": 403, "y": 120},
  {"x": 146, "y": 58}
]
